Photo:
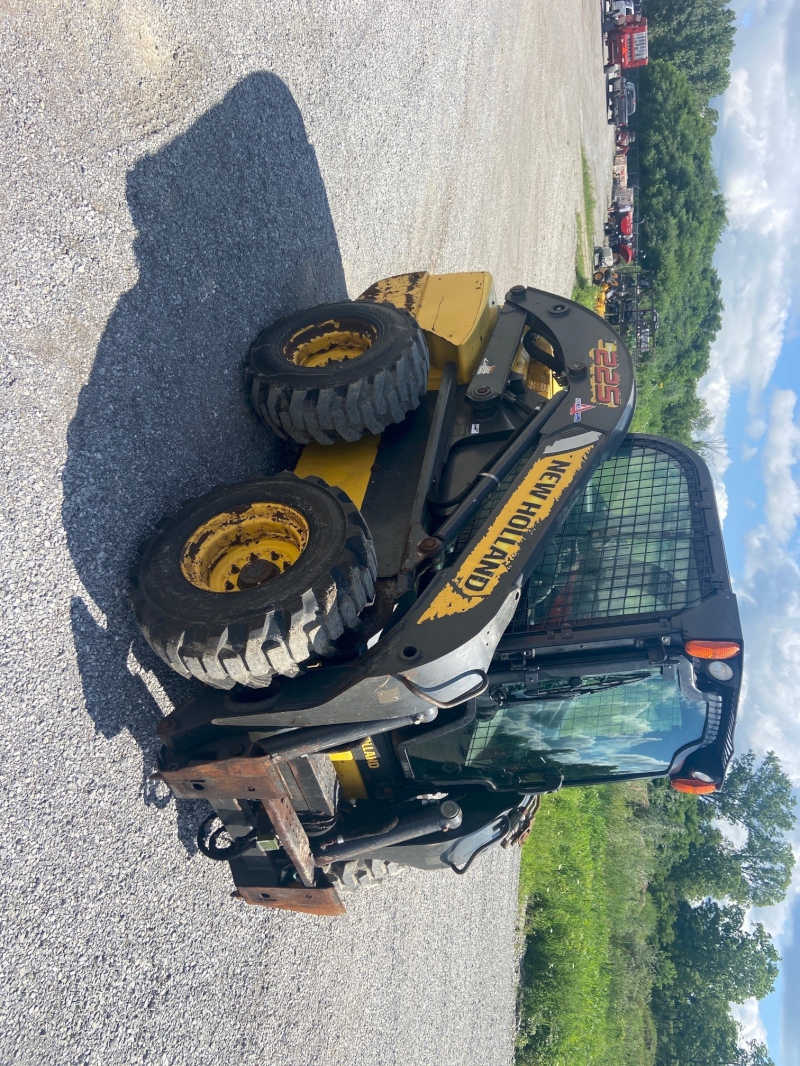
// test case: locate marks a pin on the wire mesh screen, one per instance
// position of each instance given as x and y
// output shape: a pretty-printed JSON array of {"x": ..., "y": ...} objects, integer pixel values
[
  {"x": 631, "y": 549},
  {"x": 481, "y": 517}
]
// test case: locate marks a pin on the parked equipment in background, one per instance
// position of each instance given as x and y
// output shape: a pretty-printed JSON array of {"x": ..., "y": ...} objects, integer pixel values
[
  {"x": 621, "y": 98},
  {"x": 474, "y": 588},
  {"x": 608, "y": 277},
  {"x": 603, "y": 257},
  {"x": 626, "y": 39},
  {"x": 620, "y": 223}
]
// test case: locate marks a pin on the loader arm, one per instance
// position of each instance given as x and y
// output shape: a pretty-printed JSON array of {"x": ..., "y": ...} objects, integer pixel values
[{"x": 436, "y": 651}]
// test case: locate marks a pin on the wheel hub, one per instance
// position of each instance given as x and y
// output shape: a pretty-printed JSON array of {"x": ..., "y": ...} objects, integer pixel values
[
  {"x": 332, "y": 341},
  {"x": 244, "y": 548},
  {"x": 257, "y": 572}
]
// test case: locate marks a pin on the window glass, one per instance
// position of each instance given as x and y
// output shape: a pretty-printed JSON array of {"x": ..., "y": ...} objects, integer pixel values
[
  {"x": 588, "y": 728},
  {"x": 628, "y": 550}
]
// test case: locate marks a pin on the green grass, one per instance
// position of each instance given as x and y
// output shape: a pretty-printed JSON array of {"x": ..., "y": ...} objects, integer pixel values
[
  {"x": 583, "y": 292},
  {"x": 586, "y": 974},
  {"x": 589, "y": 201}
]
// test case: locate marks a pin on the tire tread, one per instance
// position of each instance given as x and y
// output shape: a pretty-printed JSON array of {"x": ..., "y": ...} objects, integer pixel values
[
  {"x": 344, "y": 412},
  {"x": 282, "y": 640}
]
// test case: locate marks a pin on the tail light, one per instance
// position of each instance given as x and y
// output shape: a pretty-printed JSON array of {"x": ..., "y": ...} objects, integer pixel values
[
  {"x": 712, "y": 649},
  {"x": 695, "y": 785}
]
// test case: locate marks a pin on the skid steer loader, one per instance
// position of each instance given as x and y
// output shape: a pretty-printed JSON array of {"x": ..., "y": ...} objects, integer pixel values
[{"x": 475, "y": 587}]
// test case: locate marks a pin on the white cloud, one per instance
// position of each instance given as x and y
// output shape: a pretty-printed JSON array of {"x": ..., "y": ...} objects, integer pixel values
[
  {"x": 737, "y": 834},
  {"x": 770, "y": 609},
  {"x": 746, "y": 1014},
  {"x": 757, "y": 151},
  {"x": 769, "y": 600},
  {"x": 782, "y": 451},
  {"x": 758, "y": 158}
]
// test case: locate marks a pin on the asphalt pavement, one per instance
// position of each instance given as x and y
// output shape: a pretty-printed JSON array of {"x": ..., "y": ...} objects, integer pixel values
[{"x": 176, "y": 176}]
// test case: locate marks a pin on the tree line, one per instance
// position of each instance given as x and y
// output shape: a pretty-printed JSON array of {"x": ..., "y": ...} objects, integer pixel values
[
  {"x": 681, "y": 207},
  {"x": 701, "y": 887},
  {"x": 636, "y": 940}
]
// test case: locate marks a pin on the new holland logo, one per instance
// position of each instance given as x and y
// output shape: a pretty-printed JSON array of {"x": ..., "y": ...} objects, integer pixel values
[
  {"x": 492, "y": 557},
  {"x": 578, "y": 407}
]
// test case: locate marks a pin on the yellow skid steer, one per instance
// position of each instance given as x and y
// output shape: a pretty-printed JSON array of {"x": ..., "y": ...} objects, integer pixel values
[{"x": 474, "y": 588}]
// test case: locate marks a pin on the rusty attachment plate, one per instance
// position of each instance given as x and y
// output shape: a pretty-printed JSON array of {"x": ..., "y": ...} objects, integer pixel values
[
  {"x": 323, "y": 901},
  {"x": 254, "y": 778}
]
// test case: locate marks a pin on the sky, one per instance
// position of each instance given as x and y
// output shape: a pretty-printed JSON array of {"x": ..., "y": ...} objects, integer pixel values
[{"x": 753, "y": 391}]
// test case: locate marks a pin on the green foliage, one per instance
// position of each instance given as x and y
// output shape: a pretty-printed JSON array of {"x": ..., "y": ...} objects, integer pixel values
[
  {"x": 567, "y": 933},
  {"x": 697, "y": 37},
  {"x": 714, "y": 956},
  {"x": 753, "y": 1054},
  {"x": 682, "y": 209},
  {"x": 715, "y": 963},
  {"x": 589, "y": 200},
  {"x": 583, "y": 291},
  {"x": 759, "y": 800},
  {"x": 589, "y": 929},
  {"x": 683, "y": 215},
  {"x": 700, "y": 1032},
  {"x": 628, "y": 961}
]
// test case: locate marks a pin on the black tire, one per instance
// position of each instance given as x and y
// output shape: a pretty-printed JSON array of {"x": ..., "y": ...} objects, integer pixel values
[
  {"x": 344, "y": 399},
  {"x": 348, "y": 877},
  {"x": 253, "y": 632}
]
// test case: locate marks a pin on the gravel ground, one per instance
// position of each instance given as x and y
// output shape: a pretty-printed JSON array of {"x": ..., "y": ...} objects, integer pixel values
[{"x": 177, "y": 175}]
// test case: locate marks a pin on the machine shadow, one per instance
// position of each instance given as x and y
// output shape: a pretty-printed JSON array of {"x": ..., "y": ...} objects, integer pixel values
[{"x": 234, "y": 230}]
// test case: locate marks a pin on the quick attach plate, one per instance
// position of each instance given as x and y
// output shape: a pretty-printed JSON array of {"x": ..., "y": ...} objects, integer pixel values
[
  {"x": 322, "y": 901},
  {"x": 252, "y": 778}
]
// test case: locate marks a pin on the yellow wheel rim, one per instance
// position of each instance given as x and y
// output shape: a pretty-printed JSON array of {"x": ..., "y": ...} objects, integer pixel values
[
  {"x": 332, "y": 341},
  {"x": 244, "y": 548}
]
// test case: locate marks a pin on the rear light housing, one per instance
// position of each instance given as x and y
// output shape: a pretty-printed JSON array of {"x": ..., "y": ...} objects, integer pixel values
[
  {"x": 693, "y": 785},
  {"x": 720, "y": 671},
  {"x": 712, "y": 649}
]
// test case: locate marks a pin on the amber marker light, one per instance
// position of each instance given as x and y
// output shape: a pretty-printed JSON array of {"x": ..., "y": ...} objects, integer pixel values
[
  {"x": 712, "y": 649},
  {"x": 688, "y": 784}
]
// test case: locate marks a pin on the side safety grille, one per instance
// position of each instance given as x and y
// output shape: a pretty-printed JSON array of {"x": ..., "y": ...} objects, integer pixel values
[
  {"x": 727, "y": 747},
  {"x": 633, "y": 547},
  {"x": 713, "y": 717}
]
